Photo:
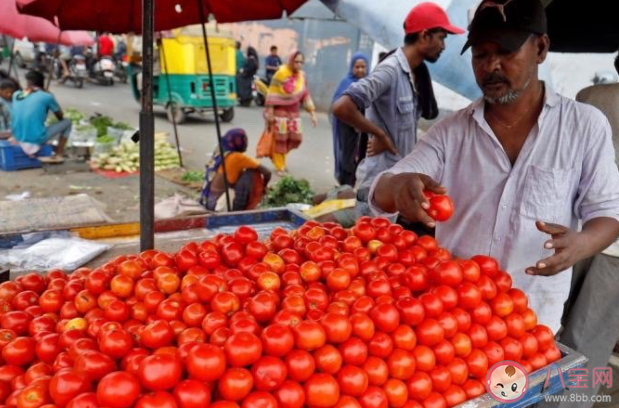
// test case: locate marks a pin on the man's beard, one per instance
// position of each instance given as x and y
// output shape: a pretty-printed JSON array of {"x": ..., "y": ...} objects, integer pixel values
[{"x": 510, "y": 96}]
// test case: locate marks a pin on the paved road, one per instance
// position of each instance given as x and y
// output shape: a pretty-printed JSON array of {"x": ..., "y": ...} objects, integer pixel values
[{"x": 313, "y": 160}]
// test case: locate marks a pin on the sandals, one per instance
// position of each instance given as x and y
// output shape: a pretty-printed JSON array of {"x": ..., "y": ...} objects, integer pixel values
[{"x": 51, "y": 159}]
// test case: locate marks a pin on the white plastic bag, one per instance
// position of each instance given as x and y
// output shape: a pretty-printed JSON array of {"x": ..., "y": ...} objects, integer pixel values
[{"x": 54, "y": 253}]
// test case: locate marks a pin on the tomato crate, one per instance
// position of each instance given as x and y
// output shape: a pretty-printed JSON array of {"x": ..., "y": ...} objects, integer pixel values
[
  {"x": 12, "y": 157},
  {"x": 549, "y": 380}
]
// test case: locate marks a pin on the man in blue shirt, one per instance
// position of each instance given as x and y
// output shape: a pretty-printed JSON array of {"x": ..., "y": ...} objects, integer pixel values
[
  {"x": 28, "y": 116},
  {"x": 272, "y": 64}
]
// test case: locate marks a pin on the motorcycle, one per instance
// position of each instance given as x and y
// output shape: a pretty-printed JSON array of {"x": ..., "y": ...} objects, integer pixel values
[
  {"x": 121, "y": 70},
  {"x": 78, "y": 72},
  {"x": 103, "y": 71},
  {"x": 260, "y": 89}
]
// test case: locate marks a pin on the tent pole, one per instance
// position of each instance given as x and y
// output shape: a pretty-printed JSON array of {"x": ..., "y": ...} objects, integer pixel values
[
  {"x": 147, "y": 132},
  {"x": 167, "y": 78},
  {"x": 214, "y": 100}
]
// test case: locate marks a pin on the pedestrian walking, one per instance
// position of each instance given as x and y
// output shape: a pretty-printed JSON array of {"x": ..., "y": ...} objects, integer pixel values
[{"x": 287, "y": 94}]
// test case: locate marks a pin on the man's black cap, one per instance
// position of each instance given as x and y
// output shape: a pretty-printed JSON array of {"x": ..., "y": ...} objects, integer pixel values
[{"x": 507, "y": 23}]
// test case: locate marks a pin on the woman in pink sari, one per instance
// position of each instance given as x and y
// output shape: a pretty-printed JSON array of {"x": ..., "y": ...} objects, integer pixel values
[{"x": 287, "y": 94}]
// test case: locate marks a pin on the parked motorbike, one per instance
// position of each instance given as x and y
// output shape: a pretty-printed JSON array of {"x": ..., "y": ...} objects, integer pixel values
[{"x": 260, "y": 89}]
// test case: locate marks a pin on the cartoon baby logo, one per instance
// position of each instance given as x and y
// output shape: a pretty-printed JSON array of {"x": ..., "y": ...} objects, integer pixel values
[{"x": 507, "y": 381}]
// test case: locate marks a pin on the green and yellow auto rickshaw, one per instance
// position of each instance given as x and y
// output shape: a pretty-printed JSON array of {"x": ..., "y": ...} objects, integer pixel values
[{"x": 181, "y": 80}]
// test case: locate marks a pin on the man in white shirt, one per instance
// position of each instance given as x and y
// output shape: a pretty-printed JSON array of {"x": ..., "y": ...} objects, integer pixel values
[{"x": 523, "y": 165}]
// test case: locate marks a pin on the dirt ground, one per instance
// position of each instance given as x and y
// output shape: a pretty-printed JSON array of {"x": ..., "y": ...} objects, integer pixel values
[{"x": 120, "y": 196}]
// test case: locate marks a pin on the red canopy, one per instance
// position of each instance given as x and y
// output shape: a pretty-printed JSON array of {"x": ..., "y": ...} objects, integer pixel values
[
  {"x": 126, "y": 16},
  {"x": 36, "y": 29}
]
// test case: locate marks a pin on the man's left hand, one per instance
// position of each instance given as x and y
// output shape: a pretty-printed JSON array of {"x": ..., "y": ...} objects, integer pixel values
[{"x": 569, "y": 249}]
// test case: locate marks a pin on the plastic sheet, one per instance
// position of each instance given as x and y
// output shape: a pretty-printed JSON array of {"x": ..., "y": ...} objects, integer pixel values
[{"x": 54, "y": 253}]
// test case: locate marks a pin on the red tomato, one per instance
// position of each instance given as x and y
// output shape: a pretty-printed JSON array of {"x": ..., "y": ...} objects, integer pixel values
[
  {"x": 444, "y": 352},
  {"x": 496, "y": 329},
  {"x": 432, "y": 304},
  {"x": 19, "y": 351},
  {"x": 494, "y": 352},
  {"x": 545, "y": 337},
  {"x": 411, "y": 310},
  {"x": 66, "y": 385},
  {"x": 502, "y": 304},
  {"x": 352, "y": 380},
  {"x": 454, "y": 395},
  {"x": 521, "y": 302},
  {"x": 459, "y": 371},
  {"x": 94, "y": 365},
  {"x": 321, "y": 390},
  {"x": 290, "y": 395},
  {"x": 259, "y": 399},
  {"x": 512, "y": 349},
  {"x": 157, "y": 334},
  {"x": 354, "y": 351},
  {"x": 205, "y": 362},
  {"x": 277, "y": 340},
  {"x": 429, "y": 332},
  {"x": 477, "y": 363},
  {"x": 441, "y": 378},
  {"x": 116, "y": 343},
  {"x": 386, "y": 317},
  {"x": 419, "y": 386},
  {"x": 337, "y": 328},
  {"x": 401, "y": 364},
  {"x": 404, "y": 337},
  {"x": 424, "y": 358},
  {"x": 300, "y": 364},
  {"x": 441, "y": 206},
  {"x": 309, "y": 335},
  {"x": 269, "y": 373},
  {"x": 160, "y": 372},
  {"x": 192, "y": 394},
  {"x": 473, "y": 388},
  {"x": 85, "y": 400},
  {"x": 377, "y": 370},
  {"x": 469, "y": 296},
  {"x": 529, "y": 345},
  {"x": 235, "y": 384}
]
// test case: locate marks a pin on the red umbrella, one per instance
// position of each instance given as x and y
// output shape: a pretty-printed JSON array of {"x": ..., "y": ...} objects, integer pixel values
[
  {"x": 126, "y": 16},
  {"x": 36, "y": 29}
]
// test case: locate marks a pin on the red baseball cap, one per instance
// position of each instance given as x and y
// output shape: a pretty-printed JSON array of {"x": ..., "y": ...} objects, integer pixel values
[{"x": 426, "y": 16}]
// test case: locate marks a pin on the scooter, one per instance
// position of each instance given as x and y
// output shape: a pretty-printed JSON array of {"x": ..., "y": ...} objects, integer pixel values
[
  {"x": 260, "y": 89},
  {"x": 78, "y": 72},
  {"x": 103, "y": 71},
  {"x": 121, "y": 70}
]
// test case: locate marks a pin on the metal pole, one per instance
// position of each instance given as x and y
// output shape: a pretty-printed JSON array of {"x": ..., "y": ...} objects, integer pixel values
[
  {"x": 51, "y": 65},
  {"x": 214, "y": 99},
  {"x": 147, "y": 132},
  {"x": 167, "y": 78}
]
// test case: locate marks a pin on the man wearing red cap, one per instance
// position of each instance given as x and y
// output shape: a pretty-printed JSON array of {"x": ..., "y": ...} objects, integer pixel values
[{"x": 395, "y": 95}]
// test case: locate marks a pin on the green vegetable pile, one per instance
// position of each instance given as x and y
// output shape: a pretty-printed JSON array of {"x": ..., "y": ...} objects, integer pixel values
[
  {"x": 289, "y": 190},
  {"x": 105, "y": 139},
  {"x": 193, "y": 176},
  {"x": 126, "y": 157},
  {"x": 75, "y": 115},
  {"x": 101, "y": 123}
]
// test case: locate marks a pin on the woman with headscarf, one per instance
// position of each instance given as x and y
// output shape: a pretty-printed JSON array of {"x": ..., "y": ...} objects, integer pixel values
[
  {"x": 287, "y": 94},
  {"x": 245, "y": 175},
  {"x": 348, "y": 144},
  {"x": 246, "y": 76}
]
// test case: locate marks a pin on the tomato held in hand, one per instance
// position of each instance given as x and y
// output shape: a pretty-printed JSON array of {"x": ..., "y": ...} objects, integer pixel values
[{"x": 441, "y": 206}]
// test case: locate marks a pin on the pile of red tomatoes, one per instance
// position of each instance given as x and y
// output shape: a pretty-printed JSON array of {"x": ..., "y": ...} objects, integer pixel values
[{"x": 371, "y": 317}]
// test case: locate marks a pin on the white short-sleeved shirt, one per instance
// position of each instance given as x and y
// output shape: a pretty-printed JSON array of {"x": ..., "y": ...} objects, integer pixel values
[{"x": 565, "y": 173}]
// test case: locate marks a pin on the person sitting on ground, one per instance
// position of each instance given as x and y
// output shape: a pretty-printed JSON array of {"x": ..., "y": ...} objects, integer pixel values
[
  {"x": 28, "y": 115},
  {"x": 245, "y": 175},
  {"x": 7, "y": 88}
]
